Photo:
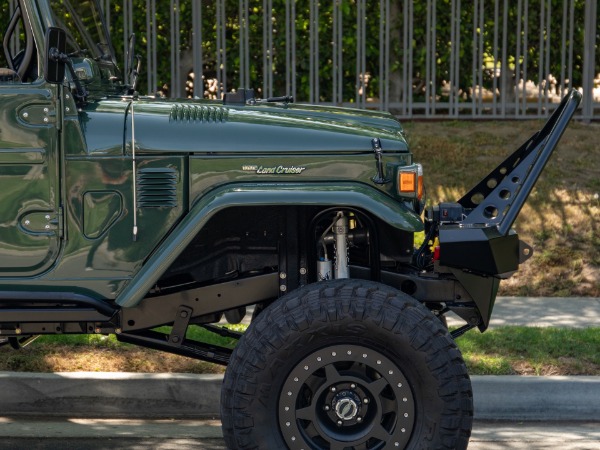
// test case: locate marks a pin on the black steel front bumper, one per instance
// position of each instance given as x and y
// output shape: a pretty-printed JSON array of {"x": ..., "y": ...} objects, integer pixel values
[{"x": 481, "y": 248}]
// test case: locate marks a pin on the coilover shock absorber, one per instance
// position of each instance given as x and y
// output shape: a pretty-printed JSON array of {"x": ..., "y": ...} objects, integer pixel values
[
  {"x": 340, "y": 230},
  {"x": 335, "y": 234}
]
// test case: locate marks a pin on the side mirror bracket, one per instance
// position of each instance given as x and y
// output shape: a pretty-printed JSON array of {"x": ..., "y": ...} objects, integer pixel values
[
  {"x": 56, "y": 46},
  {"x": 56, "y": 62}
]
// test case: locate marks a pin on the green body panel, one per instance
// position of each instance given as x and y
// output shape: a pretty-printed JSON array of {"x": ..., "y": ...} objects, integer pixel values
[
  {"x": 96, "y": 130},
  {"x": 71, "y": 196},
  {"x": 209, "y": 171},
  {"x": 339, "y": 194},
  {"x": 29, "y": 161}
]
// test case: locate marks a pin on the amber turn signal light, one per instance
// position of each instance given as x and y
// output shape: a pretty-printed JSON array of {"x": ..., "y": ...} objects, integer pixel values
[{"x": 410, "y": 181}]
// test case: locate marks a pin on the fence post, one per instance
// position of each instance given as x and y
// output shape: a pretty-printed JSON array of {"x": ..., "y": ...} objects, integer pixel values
[
  {"x": 591, "y": 11},
  {"x": 197, "y": 48}
]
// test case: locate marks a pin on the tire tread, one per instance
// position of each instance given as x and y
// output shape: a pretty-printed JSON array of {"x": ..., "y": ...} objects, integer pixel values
[{"x": 319, "y": 305}]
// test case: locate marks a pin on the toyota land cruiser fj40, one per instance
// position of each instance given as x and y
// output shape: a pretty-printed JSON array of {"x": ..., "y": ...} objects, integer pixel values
[{"x": 123, "y": 213}]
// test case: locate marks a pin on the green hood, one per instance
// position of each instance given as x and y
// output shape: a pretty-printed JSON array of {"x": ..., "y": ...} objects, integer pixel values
[{"x": 210, "y": 127}]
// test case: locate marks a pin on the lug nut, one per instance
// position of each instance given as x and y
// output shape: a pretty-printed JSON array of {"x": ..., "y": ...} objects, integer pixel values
[{"x": 340, "y": 423}]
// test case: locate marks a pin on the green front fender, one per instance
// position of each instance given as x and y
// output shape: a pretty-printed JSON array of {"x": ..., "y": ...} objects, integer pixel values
[{"x": 306, "y": 194}]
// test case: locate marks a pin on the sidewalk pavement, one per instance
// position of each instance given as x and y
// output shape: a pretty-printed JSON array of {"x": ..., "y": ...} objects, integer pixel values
[
  {"x": 131, "y": 395},
  {"x": 568, "y": 312}
]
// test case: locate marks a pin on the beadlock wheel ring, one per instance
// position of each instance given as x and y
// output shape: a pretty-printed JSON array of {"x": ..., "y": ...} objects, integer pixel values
[{"x": 344, "y": 397}]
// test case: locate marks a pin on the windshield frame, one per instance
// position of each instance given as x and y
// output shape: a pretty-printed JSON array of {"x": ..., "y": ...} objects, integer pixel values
[{"x": 102, "y": 50}]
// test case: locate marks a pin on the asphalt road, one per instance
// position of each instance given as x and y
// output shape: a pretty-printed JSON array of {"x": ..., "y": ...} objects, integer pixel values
[{"x": 112, "y": 434}]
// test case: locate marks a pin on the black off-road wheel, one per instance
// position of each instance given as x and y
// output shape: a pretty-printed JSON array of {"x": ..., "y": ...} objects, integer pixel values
[{"x": 346, "y": 364}]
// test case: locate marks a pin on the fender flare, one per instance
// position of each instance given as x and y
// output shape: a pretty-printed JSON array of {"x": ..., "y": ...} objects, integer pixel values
[{"x": 353, "y": 195}]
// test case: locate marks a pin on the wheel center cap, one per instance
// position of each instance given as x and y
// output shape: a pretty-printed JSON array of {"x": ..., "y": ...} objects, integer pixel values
[{"x": 346, "y": 405}]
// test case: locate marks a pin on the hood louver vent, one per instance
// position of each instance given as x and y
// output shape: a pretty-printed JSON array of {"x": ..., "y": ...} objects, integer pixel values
[
  {"x": 157, "y": 188},
  {"x": 194, "y": 113}
]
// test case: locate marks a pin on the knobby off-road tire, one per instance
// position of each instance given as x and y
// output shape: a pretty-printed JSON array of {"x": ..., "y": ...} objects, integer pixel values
[{"x": 346, "y": 364}]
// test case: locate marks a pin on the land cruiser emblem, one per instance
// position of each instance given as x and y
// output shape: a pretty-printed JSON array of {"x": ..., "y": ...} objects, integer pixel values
[{"x": 278, "y": 170}]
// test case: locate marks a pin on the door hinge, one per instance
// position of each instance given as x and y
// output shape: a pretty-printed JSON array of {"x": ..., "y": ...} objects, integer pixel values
[
  {"x": 44, "y": 222},
  {"x": 38, "y": 114}
]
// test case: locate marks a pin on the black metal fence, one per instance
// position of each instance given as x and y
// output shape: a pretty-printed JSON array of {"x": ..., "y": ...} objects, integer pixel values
[{"x": 429, "y": 58}]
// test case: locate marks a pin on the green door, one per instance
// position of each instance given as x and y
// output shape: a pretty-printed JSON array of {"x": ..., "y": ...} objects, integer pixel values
[{"x": 29, "y": 168}]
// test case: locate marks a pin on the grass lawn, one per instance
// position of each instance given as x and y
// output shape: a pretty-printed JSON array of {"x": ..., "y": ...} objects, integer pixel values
[
  {"x": 500, "y": 351},
  {"x": 532, "y": 351}
]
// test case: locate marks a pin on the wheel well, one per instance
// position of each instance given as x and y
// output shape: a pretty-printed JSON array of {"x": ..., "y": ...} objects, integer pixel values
[{"x": 246, "y": 241}]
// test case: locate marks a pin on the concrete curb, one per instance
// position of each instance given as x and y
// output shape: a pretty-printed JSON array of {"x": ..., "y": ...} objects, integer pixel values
[
  {"x": 522, "y": 398},
  {"x": 85, "y": 394},
  {"x": 137, "y": 395}
]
